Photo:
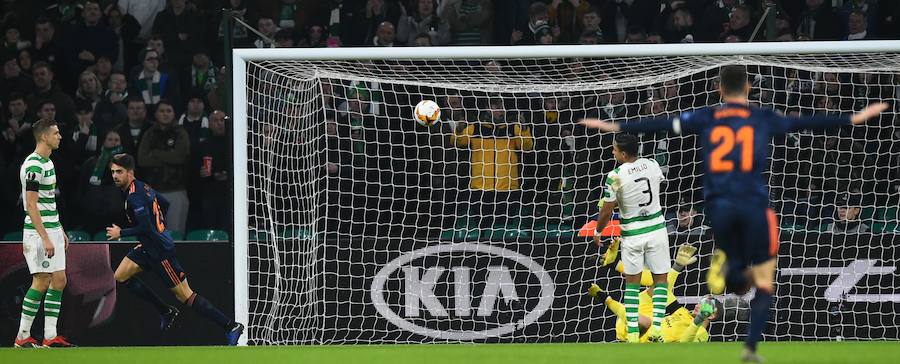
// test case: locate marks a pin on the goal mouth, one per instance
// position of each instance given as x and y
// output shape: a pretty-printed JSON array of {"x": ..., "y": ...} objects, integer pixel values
[{"x": 335, "y": 180}]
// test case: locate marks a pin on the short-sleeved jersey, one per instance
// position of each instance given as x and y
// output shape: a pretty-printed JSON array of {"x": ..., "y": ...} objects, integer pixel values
[
  {"x": 635, "y": 187},
  {"x": 37, "y": 174},
  {"x": 142, "y": 208},
  {"x": 735, "y": 144}
]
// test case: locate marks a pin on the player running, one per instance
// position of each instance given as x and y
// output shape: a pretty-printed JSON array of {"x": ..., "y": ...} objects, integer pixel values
[
  {"x": 679, "y": 325},
  {"x": 633, "y": 187},
  {"x": 735, "y": 139},
  {"x": 44, "y": 242},
  {"x": 156, "y": 252}
]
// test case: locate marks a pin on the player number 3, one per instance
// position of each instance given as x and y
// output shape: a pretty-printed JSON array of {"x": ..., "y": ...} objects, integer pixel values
[{"x": 724, "y": 138}]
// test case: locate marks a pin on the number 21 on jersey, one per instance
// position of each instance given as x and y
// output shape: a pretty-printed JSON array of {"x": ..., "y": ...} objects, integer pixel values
[{"x": 723, "y": 139}]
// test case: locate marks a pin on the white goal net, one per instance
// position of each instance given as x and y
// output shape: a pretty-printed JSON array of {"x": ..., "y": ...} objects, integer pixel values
[{"x": 365, "y": 227}]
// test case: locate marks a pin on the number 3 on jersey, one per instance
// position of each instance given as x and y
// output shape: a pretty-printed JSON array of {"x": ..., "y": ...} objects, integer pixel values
[{"x": 723, "y": 138}]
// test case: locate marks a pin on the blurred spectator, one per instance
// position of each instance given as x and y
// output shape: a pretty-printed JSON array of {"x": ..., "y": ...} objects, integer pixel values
[
  {"x": 377, "y": 12},
  {"x": 99, "y": 200},
  {"x": 46, "y": 110},
  {"x": 588, "y": 38},
  {"x": 267, "y": 27},
  {"x": 739, "y": 24},
  {"x": 214, "y": 174},
  {"x": 819, "y": 21},
  {"x": 470, "y": 21},
  {"x": 85, "y": 140},
  {"x": 46, "y": 44},
  {"x": 240, "y": 35},
  {"x": 423, "y": 40},
  {"x": 88, "y": 88},
  {"x": 112, "y": 109},
  {"x": 712, "y": 21},
  {"x": 157, "y": 44},
  {"x": 102, "y": 69},
  {"x": 88, "y": 41},
  {"x": 538, "y": 15},
  {"x": 127, "y": 29},
  {"x": 163, "y": 158},
  {"x": 384, "y": 37},
  {"x": 65, "y": 13},
  {"x": 847, "y": 217},
  {"x": 687, "y": 222},
  {"x": 46, "y": 89},
  {"x": 202, "y": 76},
  {"x": 151, "y": 84},
  {"x": 195, "y": 121},
  {"x": 636, "y": 35},
  {"x": 544, "y": 35},
  {"x": 857, "y": 25},
  {"x": 13, "y": 80},
  {"x": 552, "y": 128},
  {"x": 590, "y": 23},
  {"x": 180, "y": 28},
  {"x": 12, "y": 40},
  {"x": 284, "y": 38},
  {"x": 315, "y": 37},
  {"x": 680, "y": 29},
  {"x": 144, "y": 11},
  {"x": 25, "y": 61},
  {"x": 423, "y": 20},
  {"x": 17, "y": 130},
  {"x": 494, "y": 142},
  {"x": 869, "y": 10},
  {"x": 132, "y": 130}
]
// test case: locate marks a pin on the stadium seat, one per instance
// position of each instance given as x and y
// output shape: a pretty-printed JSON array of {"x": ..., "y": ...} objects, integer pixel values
[
  {"x": 554, "y": 231},
  {"x": 207, "y": 235},
  {"x": 78, "y": 235},
  {"x": 13, "y": 236},
  {"x": 293, "y": 233},
  {"x": 886, "y": 213},
  {"x": 254, "y": 235},
  {"x": 177, "y": 235}
]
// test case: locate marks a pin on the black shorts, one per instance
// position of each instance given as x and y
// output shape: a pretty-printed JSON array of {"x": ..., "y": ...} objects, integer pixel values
[
  {"x": 166, "y": 268},
  {"x": 747, "y": 232}
]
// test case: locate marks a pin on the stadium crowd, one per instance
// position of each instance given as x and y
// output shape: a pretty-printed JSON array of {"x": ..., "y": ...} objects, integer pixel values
[{"x": 146, "y": 77}]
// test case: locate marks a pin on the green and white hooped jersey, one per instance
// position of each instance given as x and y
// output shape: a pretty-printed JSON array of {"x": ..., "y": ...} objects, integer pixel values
[
  {"x": 37, "y": 169},
  {"x": 635, "y": 186}
]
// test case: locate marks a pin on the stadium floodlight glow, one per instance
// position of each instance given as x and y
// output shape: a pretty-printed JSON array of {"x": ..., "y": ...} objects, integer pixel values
[{"x": 334, "y": 181}]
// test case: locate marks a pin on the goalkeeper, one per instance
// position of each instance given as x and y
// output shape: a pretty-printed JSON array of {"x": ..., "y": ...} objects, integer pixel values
[{"x": 679, "y": 325}]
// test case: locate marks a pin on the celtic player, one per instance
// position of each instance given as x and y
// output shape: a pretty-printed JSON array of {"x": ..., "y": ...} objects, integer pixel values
[
  {"x": 679, "y": 324},
  {"x": 633, "y": 187},
  {"x": 44, "y": 242}
]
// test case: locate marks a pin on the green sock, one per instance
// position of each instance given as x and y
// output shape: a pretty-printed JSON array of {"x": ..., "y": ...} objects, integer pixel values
[
  {"x": 30, "y": 306},
  {"x": 660, "y": 295},
  {"x": 632, "y": 302},
  {"x": 52, "y": 304}
]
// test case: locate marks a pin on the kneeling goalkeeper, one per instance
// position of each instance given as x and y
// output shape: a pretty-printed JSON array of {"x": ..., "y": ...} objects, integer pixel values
[{"x": 679, "y": 324}]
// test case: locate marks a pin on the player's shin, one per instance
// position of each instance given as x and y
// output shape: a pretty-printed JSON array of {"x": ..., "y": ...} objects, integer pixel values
[
  {"x": 203, "y": 307},
  {"x": 631, "y": 311},
  {"x": 660, "y": 296},
  {"x": 30, "y": 305},
  {"x": 759, "y": 315},
  {"x": 52, "y": 305}
]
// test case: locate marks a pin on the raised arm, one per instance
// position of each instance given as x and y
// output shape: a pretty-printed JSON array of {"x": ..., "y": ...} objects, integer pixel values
[{"x": 639, "y": 126}]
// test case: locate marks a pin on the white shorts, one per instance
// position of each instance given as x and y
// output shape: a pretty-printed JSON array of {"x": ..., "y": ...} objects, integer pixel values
[
  {"x": 650, "y": 250},
  {"x": 36, "y": 257}
]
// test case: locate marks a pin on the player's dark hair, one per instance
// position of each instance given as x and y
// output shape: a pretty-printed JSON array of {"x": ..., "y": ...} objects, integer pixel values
[
  {"x": 41, "y": 127},
  {"x": 720, "y": 307},
  {"x": 733, "y": 79},
  {"x": 628, "y": 143},
  {"x": 124, "y": 160}
]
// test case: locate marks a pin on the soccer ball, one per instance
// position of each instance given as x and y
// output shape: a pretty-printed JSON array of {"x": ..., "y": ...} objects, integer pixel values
[{"x": 427, "y": 113}]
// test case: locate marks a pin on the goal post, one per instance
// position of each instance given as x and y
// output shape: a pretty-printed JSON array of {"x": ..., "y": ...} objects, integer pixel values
[{"x": 348, "y": 230}]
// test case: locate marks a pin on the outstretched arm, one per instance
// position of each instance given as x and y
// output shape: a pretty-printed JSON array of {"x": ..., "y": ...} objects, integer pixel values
[
  {"x": 814, "y": 122},
  {"x": 640, "y": 126}
]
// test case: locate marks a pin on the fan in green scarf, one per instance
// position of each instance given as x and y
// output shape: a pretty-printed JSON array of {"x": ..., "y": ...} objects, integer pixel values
[{"x": 103, "y": 163}]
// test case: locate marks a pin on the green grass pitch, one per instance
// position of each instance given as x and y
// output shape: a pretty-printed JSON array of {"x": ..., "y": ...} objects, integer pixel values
[{"x": 710, "y": 353}]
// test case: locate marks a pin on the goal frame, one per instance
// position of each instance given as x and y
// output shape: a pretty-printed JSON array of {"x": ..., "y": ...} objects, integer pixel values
[{"x": 241, "y": 57}]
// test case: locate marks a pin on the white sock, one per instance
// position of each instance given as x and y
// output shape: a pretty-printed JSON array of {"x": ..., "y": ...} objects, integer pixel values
[{"x": 25, "y": 326}]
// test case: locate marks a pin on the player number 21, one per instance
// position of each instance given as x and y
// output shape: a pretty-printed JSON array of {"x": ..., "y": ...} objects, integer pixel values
[{"x": 724, "y": 138}]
